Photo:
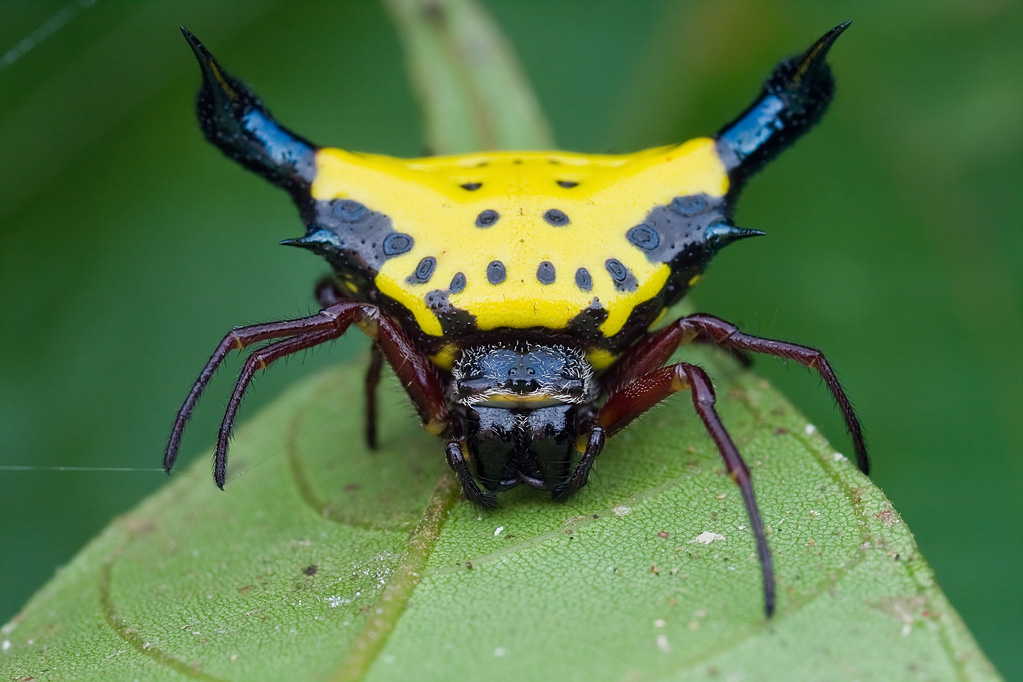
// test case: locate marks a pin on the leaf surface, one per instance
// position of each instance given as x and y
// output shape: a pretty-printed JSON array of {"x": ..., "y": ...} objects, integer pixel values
[{"x": 323, "y": 561}]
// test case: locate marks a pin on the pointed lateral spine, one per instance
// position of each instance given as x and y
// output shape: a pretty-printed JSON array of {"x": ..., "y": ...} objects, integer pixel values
[
  {"x": 723, "y": 233},
  {"x": 234, "y": 119},
  {"x": 792, "y": 100}
]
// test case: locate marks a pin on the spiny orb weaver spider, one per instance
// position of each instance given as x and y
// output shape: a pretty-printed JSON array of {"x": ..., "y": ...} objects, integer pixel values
[{"x": 513, "y": 292}]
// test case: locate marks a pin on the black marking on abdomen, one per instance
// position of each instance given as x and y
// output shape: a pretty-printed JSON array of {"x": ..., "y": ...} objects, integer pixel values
[
  {"x": 583, "y": 279},
  {"x": 487, "y": 218},
  {"x": 471, "y": 186},
  {"x": 353, "y": 238},
  {"x": 586, "y": 324},
  {"x": 496, "y": 272},
  {"x": 623, "y": 278},
  {"x": 640, "y": 319},
  {"x": 348, "y": 211},
  {"x": 545, "y": 272},
  {"x": 453, "y": 321},
  {"x": 556, "y": 218},
  {"x": 424, "y": 271},
  {"x": 644, "y": 236},
  {"x": 457, "y": 283},
  {"x": 397, "y": 243},
  {"x": 679, "y": 227},
  {"x": 689, "y": 205}
]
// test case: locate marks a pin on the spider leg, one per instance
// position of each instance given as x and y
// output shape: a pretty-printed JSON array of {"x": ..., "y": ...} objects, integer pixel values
[
  {"x": 630, "y": 401},
  {"x": 260, "y": 359},
  {"x": 328, "y": 293},
  {"x": 744, "y": 359},
  {"x": 651, "y": 353},
  {"x": 728, "y": 335},
  {"x": 581, "y": 473},
  {"x": 414, "y": 370},
  {"x": 376, "y": 363},
  {"x": 456, "y": 460},
  {"x": 237, "y": 339}
]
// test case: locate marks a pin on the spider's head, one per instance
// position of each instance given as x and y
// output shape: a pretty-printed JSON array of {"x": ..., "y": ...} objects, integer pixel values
[
  {"x": 522, "y": 376},
  {"x": 523, "y": 405}
]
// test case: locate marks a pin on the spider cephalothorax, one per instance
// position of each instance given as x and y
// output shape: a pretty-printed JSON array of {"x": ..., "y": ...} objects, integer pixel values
[
  {"x": 514, "y": 293},
  {"x": 522, "y": 375},
  {"x": 521, "y": 405}
]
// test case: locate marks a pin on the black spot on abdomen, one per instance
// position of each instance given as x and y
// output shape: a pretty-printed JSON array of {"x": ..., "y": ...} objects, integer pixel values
[
  {"x": 690, "y": 205},
  {"x": 496, "y": 272},
  {"x": 457, "y": 283},
  {"x": 556, "y": 217},
  {"x": 453, "y": 321},
  {"x": 423, "y": 272},
  {"x": 583, "y": 279},
  {"x": 545, "y": 272},
  {"x": 623, "y": 278},
  {"x": 668, "y": 232},
  {"x": 348, "y": 211},
  {"x": 487, "y": 218},
  {"x": 644, "y": 236},
  {"x": 396, "y": 244},
  {"x": 354, "y": 239}
]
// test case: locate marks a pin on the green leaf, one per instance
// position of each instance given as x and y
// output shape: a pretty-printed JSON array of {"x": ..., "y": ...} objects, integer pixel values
[
  {"x": 470, "y": 86},
  {"x": 323, "y": 561}
]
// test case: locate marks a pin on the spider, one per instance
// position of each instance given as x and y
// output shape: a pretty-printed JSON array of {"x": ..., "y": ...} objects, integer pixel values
[{"x": 515, "y": 293}]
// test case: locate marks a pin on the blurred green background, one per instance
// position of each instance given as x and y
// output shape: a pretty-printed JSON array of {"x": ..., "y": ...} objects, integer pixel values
[{"x": 128, "y": 246}]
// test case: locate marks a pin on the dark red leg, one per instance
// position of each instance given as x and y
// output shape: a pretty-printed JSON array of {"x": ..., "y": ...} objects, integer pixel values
[
  {"x": 328, "y": 293},
  {"x": 744, "y": 359},
  {"x": 376, "y": 363},
  {"x": 415, "y": 371},
  {"x": 650, "y": 354},
  {"x": 237, "y": 339},
  {"x": 632, "y": 400},
  {"x": 259, "y": 359}
]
